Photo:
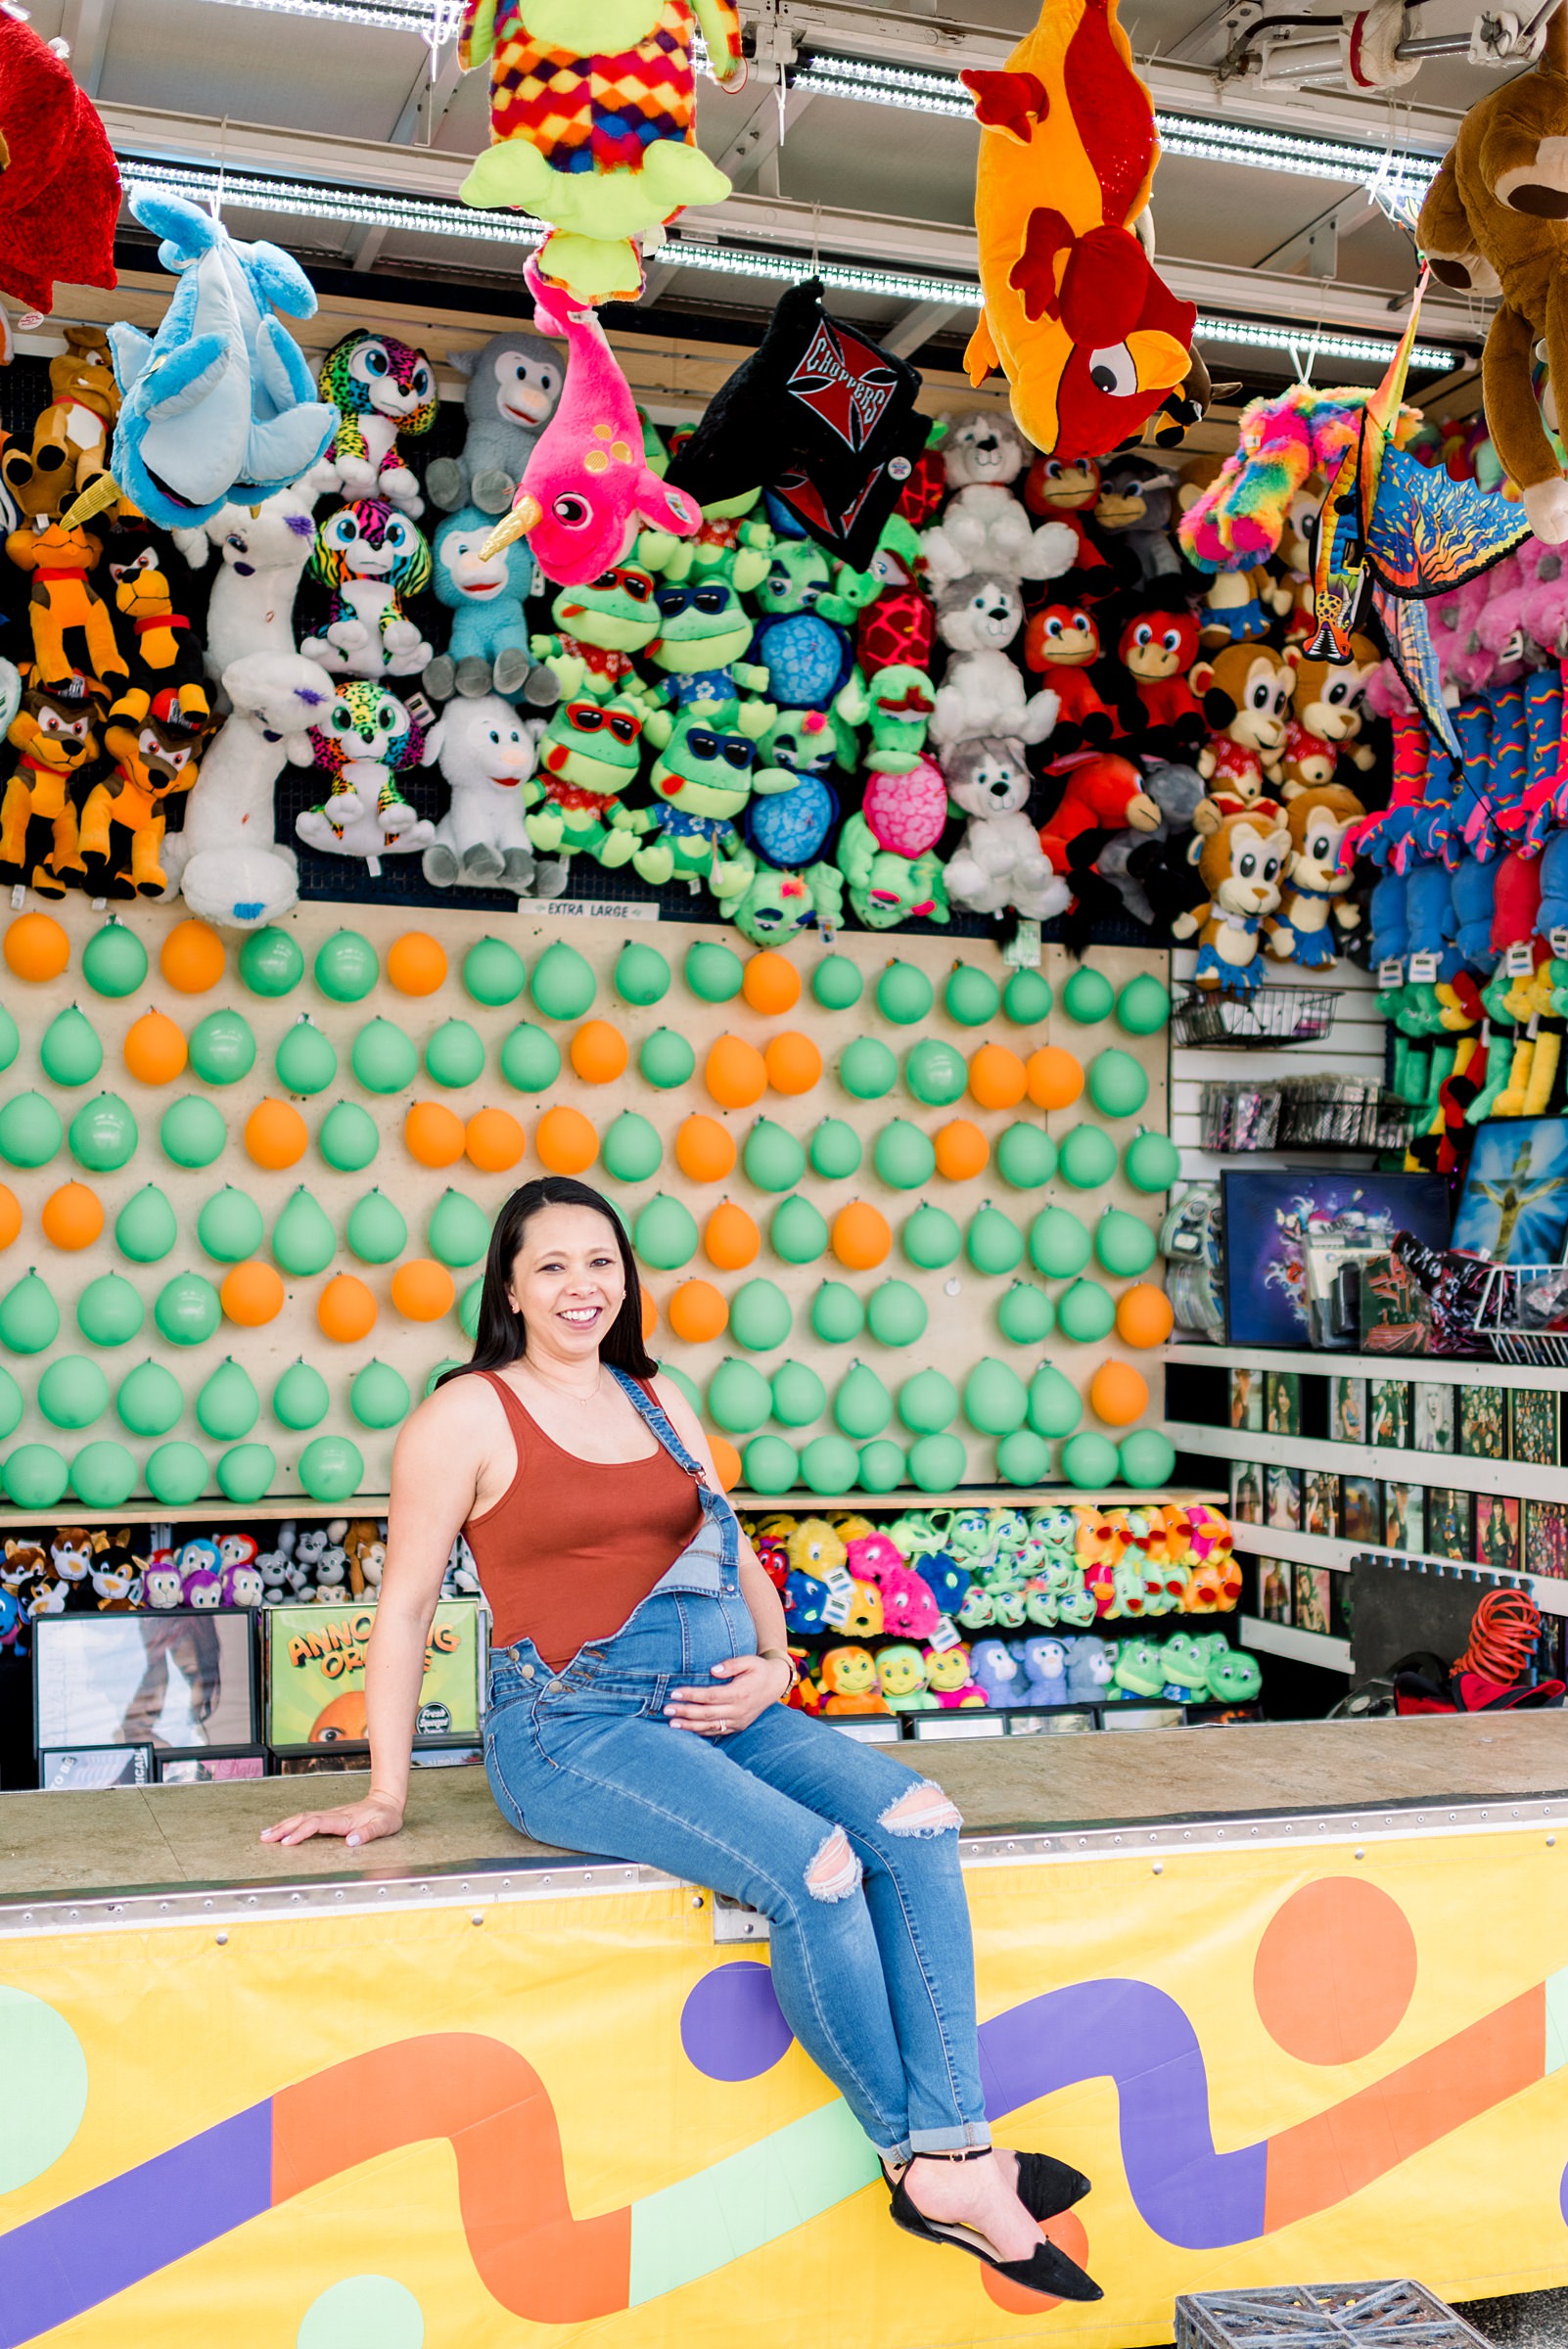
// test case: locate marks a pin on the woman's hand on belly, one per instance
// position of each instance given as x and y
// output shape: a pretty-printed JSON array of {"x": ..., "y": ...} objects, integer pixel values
[{"x": 746, "y": 1687}]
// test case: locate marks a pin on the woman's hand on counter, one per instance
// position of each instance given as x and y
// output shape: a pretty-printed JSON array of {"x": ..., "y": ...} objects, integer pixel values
[{"x": 356, "y": 1822}]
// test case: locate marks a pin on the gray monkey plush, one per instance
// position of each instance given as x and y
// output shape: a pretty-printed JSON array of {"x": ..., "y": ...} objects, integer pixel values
[
  {"x": 1138, "y": 506},
  {"x": 514, "y": 384}
]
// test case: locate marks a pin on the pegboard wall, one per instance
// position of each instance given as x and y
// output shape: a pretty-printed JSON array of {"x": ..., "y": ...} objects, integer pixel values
[{"x": 960, "y": 1301}]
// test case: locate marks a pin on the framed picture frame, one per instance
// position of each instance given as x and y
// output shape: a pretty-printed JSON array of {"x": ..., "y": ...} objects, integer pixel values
[
  {"x": 1246, "y": 1493},
  {"x": 1270, "y": 1213},
  {"x": 1405, "y": 1517},
  {"x": 1312, "y": 1600},
  {"x": 315, "y": 1676},
  {"x": 1274, "y": 1591},
  {"x": 1347, "y": 1409},
  {"x": 1361, "y": 1509},
  {"x": 1545, "y": 1537},
  {"x": 1320, "y": 1503},
  {"x": 1433, "y": 1418},
  {"x": 1513, "y": 1208},
  {"x": 1247, "y": 1401},
  {"x": 1389, "y": 1413},
  {"x": 93, "y": 1768},
  {"x": 1449, "y": 1531},
  {"x": 1484, "y": 1422},
  {"x": 1283, "y": 1508},
  {"x": 1282, "y": 1402},
  {"x": 209, "y": 1769},
  {"x": 1534, "y": 1432},
  {"x": 1497, "y": 1531},
  {"x": 178, "y": 1680}
]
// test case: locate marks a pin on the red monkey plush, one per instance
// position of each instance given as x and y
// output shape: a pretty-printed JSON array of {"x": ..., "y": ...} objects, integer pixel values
[{"x": 1103, "y": 794}]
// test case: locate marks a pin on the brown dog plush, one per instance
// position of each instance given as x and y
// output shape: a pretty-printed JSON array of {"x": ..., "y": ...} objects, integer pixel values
[
  {"x": 1315, "y": 893},
  {"x": 1240, "y": 864},
  {"x": 1496, "y": 221}
]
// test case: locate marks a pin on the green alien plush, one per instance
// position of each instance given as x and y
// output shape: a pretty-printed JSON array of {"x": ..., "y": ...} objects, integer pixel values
[
  {"x": 702, "y": 780},
  {"x": 897, "y": 703},
  {"x": 589, "y": 753},
  {"x": 731, "y": 533},
  {"x": 774, "y": 907},
  {"x": 886, "y": 890},
  {"x": 600, "y": 627}
]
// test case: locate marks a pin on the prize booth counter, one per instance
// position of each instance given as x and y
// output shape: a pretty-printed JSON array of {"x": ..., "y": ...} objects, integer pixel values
[{"x": 479, "y": 2090}]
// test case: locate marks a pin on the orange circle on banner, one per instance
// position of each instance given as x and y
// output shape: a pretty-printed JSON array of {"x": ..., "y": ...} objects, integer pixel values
[
  {"x": 770, "y": 984},
  {"x": 154, "y": 1048},
  {"x": 1144, "y": 1316},
  {"x": 732, "y": 1240},
  {"x": 1335, "y": 1970},
  {"x": 860, "y": 1238},
  {"x": 275, "y": 1136},
  {"x": 434, "y": 1134},
  {"x": 72, "y": 1217},
  {"x": 726, "y": 1461},
  {"x": 347, "y": 1309},
  {"x": 251, "y": 1293},
  {"x": 1068, "y": 2233},
  {"x": 1053, "y": 1077},
  {"x": 998, "y": 1077},
  {"x": 1117, "y": 1394},
  {"x": 705, "y": 1150},
  {"x": 649, "y": 1315},
  {"x": 36, "y": 948},
  {"x": 493, "y": 1140},
  {"x": 793, "y": 1062},
  {"x": 416, "y": 963},
  {"x": 192, "y": 957},
  {"x": 599, "y": 1052},
  {"x": 565, "y": 1141},
  {"x": 735, "y": 1073},
  {"x": 962, "y": 1150},
  {"x": 422, "y": 1290},
  {"x": 697, "y": 1313},
  {"x": 9, "y": 1214}
]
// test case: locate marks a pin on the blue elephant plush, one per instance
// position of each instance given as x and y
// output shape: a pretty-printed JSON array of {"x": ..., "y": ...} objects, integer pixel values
[{"x": 489, "y": 651}]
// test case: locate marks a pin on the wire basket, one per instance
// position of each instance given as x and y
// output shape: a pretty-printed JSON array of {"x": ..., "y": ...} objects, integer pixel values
[
  {"x": 1275, "y": 1014},
  {"x": 1501, "y": 1319}
]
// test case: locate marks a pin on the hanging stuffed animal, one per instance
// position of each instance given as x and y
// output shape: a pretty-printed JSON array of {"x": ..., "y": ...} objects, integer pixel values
[
  {"x": 589, "y": 755},
  {"x": 982, "y": 526},
  {"x": 705, "y": 635},
  {"x": 1246, "y": 695},
  {"x": 383, "y": 390},
  {"x": 489, "y": 651},
  {"x": 701, "y": 781},
  {"x": 1061, "y": 644},
  {"x": 515, "y": 383},
  {"x": 901, "y": 626},
  {"x": 224, "y": 860},
  {"x": 1317, "y": 896},
  {"x": 999, "y": 863},
  {"x": 1136, "y": 511},
  {"x": 794, "y": 805},
  {"x": 260, "y": 557},
  {"x": 1059, "y": 491},
  {"x": 63, "y": 602},
  {"x": 486, "y": 754},
  {"x": 885, "y": 889},
  {"x": 982, "y": 691},
  {"x": 370, "y": 557},
  {"x": 156, "y": 640},
  {"x": 366, "y": 738},
  {"x": 1156, "y": 650},
  {"x": 152, "y": 739},
  {"x": 69, "y": 448},
  {"x": 49, "y": 726},
  {"x": 601, "y": 626},
  {"x": 60, "y": 189},
  {"x": 810, "y": 604}
]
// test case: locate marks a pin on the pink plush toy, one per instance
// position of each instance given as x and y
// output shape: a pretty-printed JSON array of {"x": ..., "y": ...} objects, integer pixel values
[
  {"x": 906, "y": 812},
  {"x": 909, "y": 1609},
  {"x": 588, "y": 483}
]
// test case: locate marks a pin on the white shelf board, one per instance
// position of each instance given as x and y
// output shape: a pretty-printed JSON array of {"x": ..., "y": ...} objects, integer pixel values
[
  {"x": 1339, "y": 1556},
  {"x": 1330, "y": 1364},
  {"x": 1302, "y": 1647},
  {"x": 1457, "y": 1469}
]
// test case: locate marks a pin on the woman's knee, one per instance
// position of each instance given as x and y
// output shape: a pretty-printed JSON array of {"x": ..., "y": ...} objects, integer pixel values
[
  {"x": 834, "y": 1873},
  {"x": 923, "y": 1811}
]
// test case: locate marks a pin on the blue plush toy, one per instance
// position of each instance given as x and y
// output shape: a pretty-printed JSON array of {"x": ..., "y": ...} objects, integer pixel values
[
  {"x": 1091, "y": 1672},
  {"x": 803, "y": 636},
  {"x": 993, "y": 1665},
  {"x": 796, "y": 807},
  {"x": 1553, "y": 914},
  {"x": 489, "y": 651},
  {"x": 219, "y": 405}
]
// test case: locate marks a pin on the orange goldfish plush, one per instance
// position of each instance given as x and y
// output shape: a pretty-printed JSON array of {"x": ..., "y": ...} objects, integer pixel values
[{"x": 1089, "y": 337}]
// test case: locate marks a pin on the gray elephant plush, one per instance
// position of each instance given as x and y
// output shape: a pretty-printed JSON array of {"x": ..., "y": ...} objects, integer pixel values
[{"x": 514, "y": 384}]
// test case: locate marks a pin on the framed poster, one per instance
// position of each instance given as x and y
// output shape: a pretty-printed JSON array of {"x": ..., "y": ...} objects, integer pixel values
[
  {"x": 1271, "y": 1213},
  {"x": 1515, "y": 1206},
  {"x": 209, "y": 1769},
  {"x": 315, "y": 1676},
  {"x": 89, "y": 1769},
  {"x": 181, "y": 1680}
]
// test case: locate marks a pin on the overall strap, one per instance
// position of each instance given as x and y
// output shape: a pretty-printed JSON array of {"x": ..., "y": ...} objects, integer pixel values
[{"x": 653, "y": 1412}]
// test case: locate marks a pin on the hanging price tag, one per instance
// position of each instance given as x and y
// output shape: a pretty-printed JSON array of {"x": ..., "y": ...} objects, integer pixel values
[
  {"x": 945, "y": 1634},
  {"x": 840, "y": 1581},
  {"x": 1423, "y": 969},
  {"x": 1391, "y": 973},
  {"x": 836, "y": 1610},
  {"x": 1558, "y": 941},
  {"x": 1521, "y": 959}
]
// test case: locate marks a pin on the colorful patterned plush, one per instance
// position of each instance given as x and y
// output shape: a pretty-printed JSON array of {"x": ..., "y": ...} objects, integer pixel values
[
  {"x": 380, "y": 389},
  {"x": 1240, "y": 518}
]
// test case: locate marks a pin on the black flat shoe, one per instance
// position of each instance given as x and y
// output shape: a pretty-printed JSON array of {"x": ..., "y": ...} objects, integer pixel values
[
  {"x": 1047, "y": 2270},
  {"x": 1047, "y": 2187}
]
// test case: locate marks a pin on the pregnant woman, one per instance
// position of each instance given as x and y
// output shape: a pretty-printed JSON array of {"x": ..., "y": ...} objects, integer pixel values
[{"x": 635, "y": 1711}]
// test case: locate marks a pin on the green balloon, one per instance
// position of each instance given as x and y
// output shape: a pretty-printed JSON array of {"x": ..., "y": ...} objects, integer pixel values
[
  {"x": 836, "y": 982},
  {"x": 798, "y": 1235},
  {"x": 664, "y": 1234},
  {"x": 456, "y": 1055},
  {"x": 332, "y": 1469},
  {"x": 271, "y": 963},
  {"x": 714, "y": 973},
  {"x": 1059, "y": 1244},
  {"x": 562, "y": 985},
  {"x": 300, "y": 1399},
  {"x": 458, "y": 1232},
  {"x": 103, "y": 1475},
  {"x": 145, "y": 1229},
  {"x": 836, "y": 1313},
  {"x": 631, "y": 1150},
  {"x": 1143, "y": 1005},
  {"x": 882, "y": 1466},
  {"x": 375, "y": 1231},
  {"x": 230, "y": 1226},
  {"x": 799, "y": 1395},
  {"x": 905, "y": 995},
  {"x": 1027, "y": 998},
  {"x": 303, "y": 1238},
  {"x": 995, "y": 1400},
  {"x": 937, "y": 1464},
  {"x": 1087, "y": 996},
  {"x": 930, "y": 1238},
  {"x": 641, "y": 974},
  {"x": 109, "y": 1311},
  {"x": 30, "y": 1132},
  {"x": 863, "y": 1405},
  {"x": 36, "y": 1476},
  {"x": 70, "y": 1052},
  {"x": 867, "y": 1069},
  {"x": 1026, "y": 1315},
  {"x": 760, "y": 1315},
  {"x": 1023, "y": 1458},
  {"x": 73, "y": 1392},
  {"x": 9, "y": 1039},
  {"x": 379, "y": 1396},
  {"x": 29, "y": 1318},
  {"x": 1151, "y": 1162},
  {"x": 435, "y": 1376},
  {"x": 246, "y": 1472},
  {"x": 467, "y": 1309},
  {"x": 935, "y": 1072},
  {"x": 1055, "y": 1406},
  {"x": 192, "y": 1131},
  {"x": 383, "y": 1059},
  {"x": 1088, "y": 1461},
  {"x": 666, "y": 1060},
  {"x": 829, "y": 1464},
  {"x": 686, "y": 1386},
  {"x": 1124, "y": 1246},
  {"x": 1146, "y": 1457},
  {"x": 994, "y": 1242},
  {"x": 1117, "y": 1086},
  {"x": 1087, "y": 1158},
  {"x": 1025, "y": 1156},
  {"x": 1087, "y": 1312},
  {"x": 148, "y": 1400},
  {"x": 186, "y": 1309},
  {"x": 103, "y": 1135},
  {"x": 11, "y": 1405},
  {"x": 895, "y": 1314},
  {"x": 176, "y": 1474},
  {"x": 305, "y": 1061},
  {"x": 772, "y": 1158},
  {"x": 928, "y": 1403},
  {"x": 228, "y": 1406},
  {"x": 347, "y": 967},
  {"x": 769, "y": 1464},
  {"x": 739, "y": 1399},
  {"x": 903, "y": 1157},
  {"x": 348, "y": 1139},
  {"x": 970, "y": 998},
  {"x": 114, "y": 961},
  {"x": 222, "y": 1047},
  {"x": 493, "y": 972},
  {"x": 835, "y": 1150}
]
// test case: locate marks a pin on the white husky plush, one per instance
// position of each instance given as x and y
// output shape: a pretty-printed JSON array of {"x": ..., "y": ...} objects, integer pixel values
[
  {"x": 262, "y": 554},
  {"x": 982, "y": 691},
  {"x": 1000, "y": 861},
  {"x": 486, "y": 754},
  {"x": 224, "y": 862},
  {"x": 985, "y": 526}
]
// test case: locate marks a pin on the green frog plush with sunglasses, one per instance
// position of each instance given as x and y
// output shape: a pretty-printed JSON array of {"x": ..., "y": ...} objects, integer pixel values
[
  {"x": 702, "y": 780},
  {"x": 600, "y": 627},
  {"x": 589, "y": 752},
  {"x": 704, "y": 635}
]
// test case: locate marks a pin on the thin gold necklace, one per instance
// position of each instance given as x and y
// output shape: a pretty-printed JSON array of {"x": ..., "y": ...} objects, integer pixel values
[{"x": 577, "y": 1394}]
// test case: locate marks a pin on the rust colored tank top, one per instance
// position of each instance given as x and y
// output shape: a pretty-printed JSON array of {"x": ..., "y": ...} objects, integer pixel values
[{"x": 573, "y": 1546}]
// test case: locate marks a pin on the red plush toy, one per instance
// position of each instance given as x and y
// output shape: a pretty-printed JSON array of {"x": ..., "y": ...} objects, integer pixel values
[
  {"x": 1059, "y": 491},
  {"x": 1156, "y": 649},
  {"x": 1103, "y": 794},
  {"x": 1060, "y": 642},
  {"x": 58, "y": 187}
]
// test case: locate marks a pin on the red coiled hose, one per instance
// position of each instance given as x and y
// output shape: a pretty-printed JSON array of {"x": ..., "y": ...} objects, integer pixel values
[{"x": 1504, "y": 1634}]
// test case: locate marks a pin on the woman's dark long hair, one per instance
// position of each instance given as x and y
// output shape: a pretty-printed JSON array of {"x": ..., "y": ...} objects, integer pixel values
[{"x": 501, "y": 1336}]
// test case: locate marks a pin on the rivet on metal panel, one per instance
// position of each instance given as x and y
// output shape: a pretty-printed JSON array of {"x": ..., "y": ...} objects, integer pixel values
[
  {"x": 223, "y": 1938},
  {"x": 1550, "y": 1840},
  {"x": 477, "y": 1918},
  {"x": 697, "y": 1899},
  {"x": 206, "y": 1904},
  {"x": 1359, "y": 1853},
  {"x": 1159, "y": 1867}
]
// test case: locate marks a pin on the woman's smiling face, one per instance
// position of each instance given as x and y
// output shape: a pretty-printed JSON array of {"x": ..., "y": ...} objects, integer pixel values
[{"x": 567, "y": 1280}]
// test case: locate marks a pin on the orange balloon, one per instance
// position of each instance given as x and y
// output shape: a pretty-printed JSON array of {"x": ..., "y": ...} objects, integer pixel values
[
  {"x": 962, "y": 1150},
  {"x": 72, "y": 1217},
  {"x": 275, "y": 1136},
  {"x": 154, "y": 1048},
  {"x": 735, "y": 1073},
  {"x": 251, "y": 1293},
  {"x": 1143, "y": 1316},
  {"x": 860, "y": 1237},
  {"x": 649, "y": 1315},
  {"x": 793, "y": 1062},
  {"x": 192, "y": 957},
  {"x": 422, "y": 1290},
  {"x": 347, "y": 1309},
  {"x": 493, "y": 1140},
  {"x": 1117, "y": 1394},
  {"x": 434, "y": 1134},
  {"x": 731, "y": 1239},
  {"x": 1054, "y": 1078},
  {"x": 599, "y": 1052},
  {"x": 726, "y": 1461},
  {"x": 566, "y": 1141},
  {"x": 705, "y": 1150},
  {"x": 697, "y": 1313},
  {"x": 10, "y": 1216},
  {"x": 770, "y": 984},
  {"x": 998, "y": 1077},
  {"x": 416, "y": 963},
  {"x": 36, "y": 948}
]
